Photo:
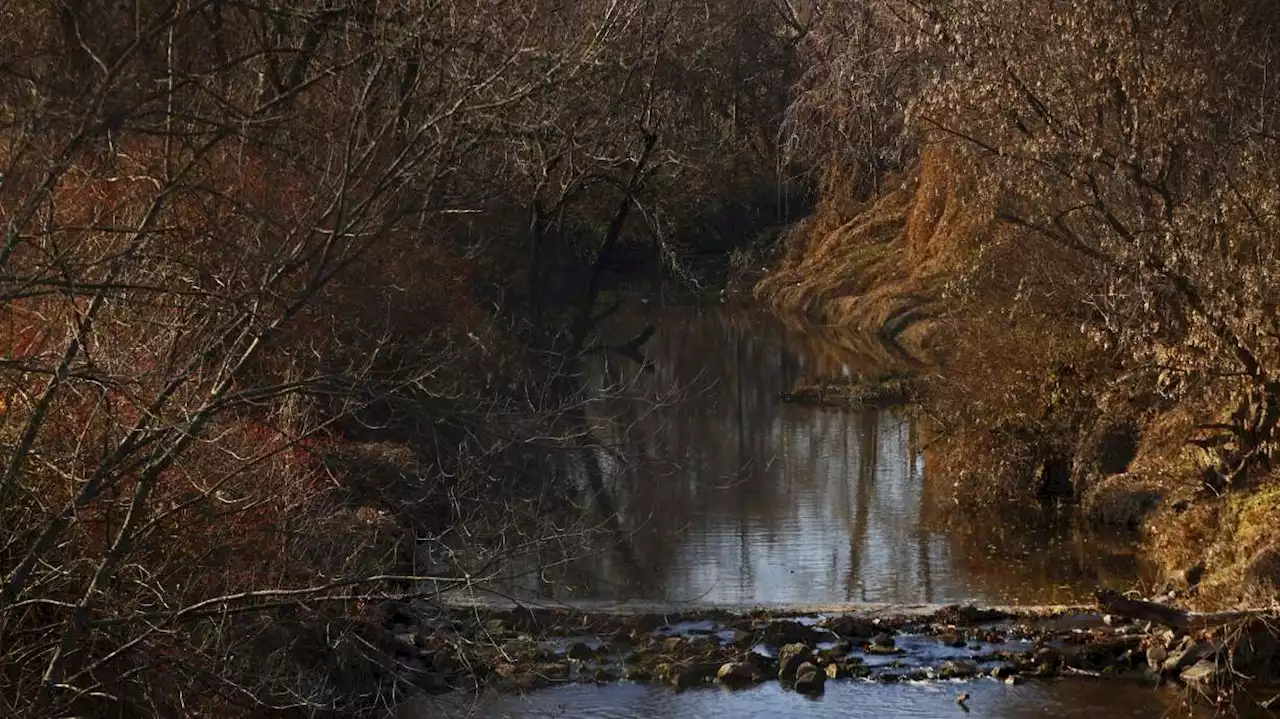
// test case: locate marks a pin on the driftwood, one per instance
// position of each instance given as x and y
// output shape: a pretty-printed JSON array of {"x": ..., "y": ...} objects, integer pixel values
[{"x": 1113, "y": 602}]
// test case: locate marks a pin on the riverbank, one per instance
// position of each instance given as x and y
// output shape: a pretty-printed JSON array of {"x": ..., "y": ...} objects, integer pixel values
[
  {"x": 1043, "y": 226},
  {"x": 1021, "y": 403}
]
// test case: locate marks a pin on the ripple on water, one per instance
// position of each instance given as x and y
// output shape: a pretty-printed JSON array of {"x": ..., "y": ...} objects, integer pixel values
[{"x": 843, "y": 700}]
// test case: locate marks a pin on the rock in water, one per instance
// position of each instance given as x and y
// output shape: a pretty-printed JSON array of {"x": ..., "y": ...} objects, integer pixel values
[
  {"x": 810, "y": 679},
  {"x": 580, "y": 651},
  {"x": 736, "y": 674},
  {"x": 957, "y": 669},
  {"x": 790, "y": 658},
  {"x": 1201, "y": 675},
  {"x": 883, "y": 640}
]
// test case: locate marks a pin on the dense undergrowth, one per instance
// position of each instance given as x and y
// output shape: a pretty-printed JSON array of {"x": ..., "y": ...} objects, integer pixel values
[
  {"x": 293, "y": 302},
  {"x": 1068, "y": 208}
]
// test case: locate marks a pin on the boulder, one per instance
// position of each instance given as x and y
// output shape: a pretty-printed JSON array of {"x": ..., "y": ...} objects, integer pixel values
[
  {"x": 839, "y": 650},
  {"x": 1048, "y": 661},
  {"x": 737, "y": 674},
  {"x": 790, "y": 658},
  {"x": 785, "y": 631},
  {"x": 684, "y": 676},
  {"x": 580, "y": 651},
  {"x": 810, "y": 679},
  {"x": 883, "y": 640},
  {"x": 957, "y": 669},
  {"x": 851, "y": 627}
]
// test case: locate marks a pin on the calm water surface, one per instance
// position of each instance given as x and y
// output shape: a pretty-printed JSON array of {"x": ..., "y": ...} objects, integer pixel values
[
  {"x": 843, "y": 700},
  {"x": 728, "y": 495}
]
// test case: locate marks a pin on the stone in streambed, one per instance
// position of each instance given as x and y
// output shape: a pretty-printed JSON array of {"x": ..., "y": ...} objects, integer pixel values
[
  {"x": 790, "y": 658},
  {"x": 580, "y": 651},
  {"x": 737, "y": 674},
  {"x": 809, "y": 679}
]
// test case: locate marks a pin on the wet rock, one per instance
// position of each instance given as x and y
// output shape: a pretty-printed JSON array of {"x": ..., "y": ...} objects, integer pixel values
[
  {"x": 672, "y": 644},
  {"x": 883, "y": 640},
  {"x": 968, "y": 615},
  {"x": 790, "y": 657},
  {"x": 1202, "y": 675},
  {"x": 785, "y": 631},
  {"x": 742, "y": 639},
  {"x": 580, "y": 651},
  {"x": 1048, "y": 661},
  {"x": 810, "y": 679},
  {"x": 883, "y": 643},
  {"x": 1004, "y": 671},
  {"x": 691, "y": 675},
  {"x": 835, "y": 652},
  {"x": 1013, "y": 679},
  {"x": 851, "y": 627},
  {"x": 737, "y": 674},
  {"x": 957, "y": 669},
  {"x": 951, "y": 639}
]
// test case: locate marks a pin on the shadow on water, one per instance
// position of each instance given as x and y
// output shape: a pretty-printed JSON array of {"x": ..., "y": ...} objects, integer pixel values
[{"x": 728, "y": 495}]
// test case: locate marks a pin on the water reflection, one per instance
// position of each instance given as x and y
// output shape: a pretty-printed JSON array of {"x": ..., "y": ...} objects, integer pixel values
[
  {"x": 730, "y": 496},
  {"x": 846, "y": 700}
]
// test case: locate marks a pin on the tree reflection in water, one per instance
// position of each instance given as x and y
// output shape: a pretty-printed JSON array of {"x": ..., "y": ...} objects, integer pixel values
[{"x": 728, "y": 495}]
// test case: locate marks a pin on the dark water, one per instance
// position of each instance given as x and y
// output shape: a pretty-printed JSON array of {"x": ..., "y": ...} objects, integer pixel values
[
  {"x": 989, "y": 699},
  {"x": 730, "y": 496}
]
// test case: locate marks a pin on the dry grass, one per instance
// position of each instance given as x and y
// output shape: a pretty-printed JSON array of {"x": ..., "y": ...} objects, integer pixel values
[{"x": 879, "y": 265}]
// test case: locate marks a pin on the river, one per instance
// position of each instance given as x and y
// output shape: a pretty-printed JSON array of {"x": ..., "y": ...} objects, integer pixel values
[{"x": 729, "y": 496}]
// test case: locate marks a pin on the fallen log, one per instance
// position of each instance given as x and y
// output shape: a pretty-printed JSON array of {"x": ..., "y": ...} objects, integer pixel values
[{"x": 1113, "y": 602}]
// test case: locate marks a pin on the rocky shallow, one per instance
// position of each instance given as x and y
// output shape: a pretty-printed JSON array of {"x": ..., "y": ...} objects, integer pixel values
[{"x": 526, "y": 649}]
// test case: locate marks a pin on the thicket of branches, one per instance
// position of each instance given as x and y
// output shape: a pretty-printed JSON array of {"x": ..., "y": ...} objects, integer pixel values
[
  {"x": 243, "y": 241},
  {"x": 1126, "y": 153}
]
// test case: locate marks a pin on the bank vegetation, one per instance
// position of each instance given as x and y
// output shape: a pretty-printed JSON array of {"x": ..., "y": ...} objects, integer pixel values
[
  {"x": 1070, "y": 209},
  {"x": 293, "y": 302}
]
